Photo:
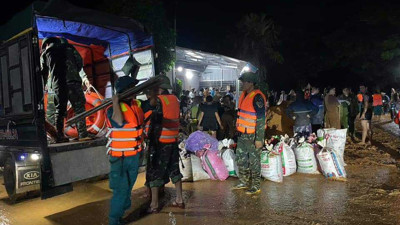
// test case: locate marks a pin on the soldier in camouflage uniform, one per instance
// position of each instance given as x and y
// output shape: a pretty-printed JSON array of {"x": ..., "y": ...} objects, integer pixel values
[
  {"x": 51, "y": 107},
  {"x": 163, "y": 157},
  {"x": 251, "y": 128},
  {"x": 61, "y": 64}
]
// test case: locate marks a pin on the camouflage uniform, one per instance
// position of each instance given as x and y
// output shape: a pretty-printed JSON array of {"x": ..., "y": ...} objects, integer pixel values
[
  {"x": 247, "y": 156},
  {"x": 61, "y": 63},
  {"x": 162, "y": 159}
]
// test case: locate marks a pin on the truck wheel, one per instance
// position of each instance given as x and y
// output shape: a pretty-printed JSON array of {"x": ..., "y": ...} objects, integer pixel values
[{"x": 9, "y": 179}]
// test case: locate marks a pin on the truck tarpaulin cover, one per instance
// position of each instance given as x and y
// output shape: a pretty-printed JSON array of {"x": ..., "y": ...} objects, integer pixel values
[{"x": 91, "y": 27}]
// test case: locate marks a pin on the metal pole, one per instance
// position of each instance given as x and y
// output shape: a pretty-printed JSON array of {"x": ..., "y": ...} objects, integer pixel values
[
  {"x": 173, "y": 68},
  {"x": 222, "y": 75}
]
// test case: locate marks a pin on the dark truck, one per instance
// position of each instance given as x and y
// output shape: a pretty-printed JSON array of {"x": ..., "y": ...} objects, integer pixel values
[{"x": 105, "y": 42}]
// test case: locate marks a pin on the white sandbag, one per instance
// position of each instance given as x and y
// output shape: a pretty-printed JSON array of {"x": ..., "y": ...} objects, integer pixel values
[
  {"x": 197, "y": 169},
  {"x": 229, "y": 158},
  {"x": 186, "y": 169},
  {"x": 226, "y": 143},
  {"x": 306, "y": 162},
  {"x": 336, "y": 140},
  {"x": 330, "y": 164},
  {"x": 288, "y": 159},
  {"x": 271, "y": 166},
  {"x": 220, "y": 145}
]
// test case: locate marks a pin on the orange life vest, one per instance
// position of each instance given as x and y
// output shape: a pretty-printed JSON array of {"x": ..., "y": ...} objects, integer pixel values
[
  {"x": 127, "y": 140},
  {"x": 397, "y": 118},
  {"x": 147, "y": 122},
  {"x": 170, "y": 123},
  {"x": 360, "y": 97},
  {"x": 377, "y": 100},
  {"x": 247, "y": 117}
]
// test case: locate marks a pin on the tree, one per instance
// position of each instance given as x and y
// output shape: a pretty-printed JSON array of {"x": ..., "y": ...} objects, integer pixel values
[
  {"x": 152, "y": 14},
  {"x": 368, "y": 45},
  {"x": 256, "y": 41}
]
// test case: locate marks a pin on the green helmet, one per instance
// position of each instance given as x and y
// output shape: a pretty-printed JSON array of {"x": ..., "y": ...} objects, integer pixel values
[
  {"x": 124, "y": 83},
  {"x": 249, "y": 77},
  {"x": 49, "y": 40},
  {"x": 166, "y": 84}
]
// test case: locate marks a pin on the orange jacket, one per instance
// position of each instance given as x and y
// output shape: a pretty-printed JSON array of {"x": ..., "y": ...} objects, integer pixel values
[
  {"x": 247, "y": 117},
  {"x": 377, "y": 100},
  {"x": 170, "y": 124},
  {"x": 147, "y": 122},
  {"x": 127, "y": 140},
  {"x": 360, "y": 97}
]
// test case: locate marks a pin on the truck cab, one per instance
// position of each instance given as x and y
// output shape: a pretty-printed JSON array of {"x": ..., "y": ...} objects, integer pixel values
[{"x": 105, "y": 42}]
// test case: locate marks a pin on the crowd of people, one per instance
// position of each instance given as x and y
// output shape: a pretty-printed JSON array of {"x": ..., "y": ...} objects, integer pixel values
[
  {"x": 209, "y": 109},
  {"x": 214, "y": 111},
  {"x": 311, "y": 110}
]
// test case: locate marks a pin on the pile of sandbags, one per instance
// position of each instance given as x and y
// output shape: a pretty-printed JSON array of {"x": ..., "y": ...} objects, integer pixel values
[
  {"x": 310, "y": 155},
  {"x": 205, "y": 158}
]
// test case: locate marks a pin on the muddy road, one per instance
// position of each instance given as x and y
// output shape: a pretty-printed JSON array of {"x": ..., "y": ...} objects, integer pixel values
[{"x": 370, "y": 196}]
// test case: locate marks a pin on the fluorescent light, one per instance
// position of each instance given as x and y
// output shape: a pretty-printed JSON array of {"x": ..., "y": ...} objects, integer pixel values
[
  {"x": 180, "y": 69},
  {"x": 189, "y": 74}
]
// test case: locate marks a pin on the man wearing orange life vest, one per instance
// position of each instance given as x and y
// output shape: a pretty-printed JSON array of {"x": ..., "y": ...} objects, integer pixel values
[
  {"x": 163, "y": 157},
  {"x": 125, "y": 120},
  {"x": 251, "y": 127},
  {"x": 377, "y": 103}
]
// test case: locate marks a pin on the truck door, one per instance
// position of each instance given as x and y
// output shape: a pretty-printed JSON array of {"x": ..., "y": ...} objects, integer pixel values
[
  {"x": 18, "y": 104},
  {"x": 22, "y": 116}
]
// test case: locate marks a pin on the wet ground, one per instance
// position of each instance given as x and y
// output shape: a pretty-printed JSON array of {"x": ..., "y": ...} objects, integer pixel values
[{"x": 370, "y": 196}]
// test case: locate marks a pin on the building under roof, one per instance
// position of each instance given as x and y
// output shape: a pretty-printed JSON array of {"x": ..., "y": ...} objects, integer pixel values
[{"x": 199, "y": 69}]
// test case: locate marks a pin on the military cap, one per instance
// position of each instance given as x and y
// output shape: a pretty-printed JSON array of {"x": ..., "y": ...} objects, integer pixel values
[
  {"x": 166, "y": 84},
  {"x": 249, "y": 77}
]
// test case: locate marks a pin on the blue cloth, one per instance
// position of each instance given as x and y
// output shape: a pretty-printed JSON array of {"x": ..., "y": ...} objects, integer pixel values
[
  {"x": 317, "y": 100},
  {"x": 300, "y": 109},
  {"x": 122, "y": 177},
  {"x": 212, "y": 93},
  {"x": 114, "y": 39}
]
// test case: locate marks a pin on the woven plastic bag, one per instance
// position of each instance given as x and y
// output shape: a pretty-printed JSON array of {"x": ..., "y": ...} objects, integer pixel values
[
  {"x": 214, "y": 165},
  {"x": 197, "y": 169},
  {"x": 330, "y": 165},
  {"x": 271, "y": 166},
  {"x": 305, "y": 158},
  {"x": 288, "y": 158},
  {"x": 336, "y": 140},
  {"x": 229, "y": 158}
]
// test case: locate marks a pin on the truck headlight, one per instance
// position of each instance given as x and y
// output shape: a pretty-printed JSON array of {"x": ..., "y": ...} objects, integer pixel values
[{"x": 35, "y": 157}]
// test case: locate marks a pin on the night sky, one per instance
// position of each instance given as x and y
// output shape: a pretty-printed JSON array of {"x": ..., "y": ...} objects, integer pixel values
[{"x": 208, "y": 25}]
